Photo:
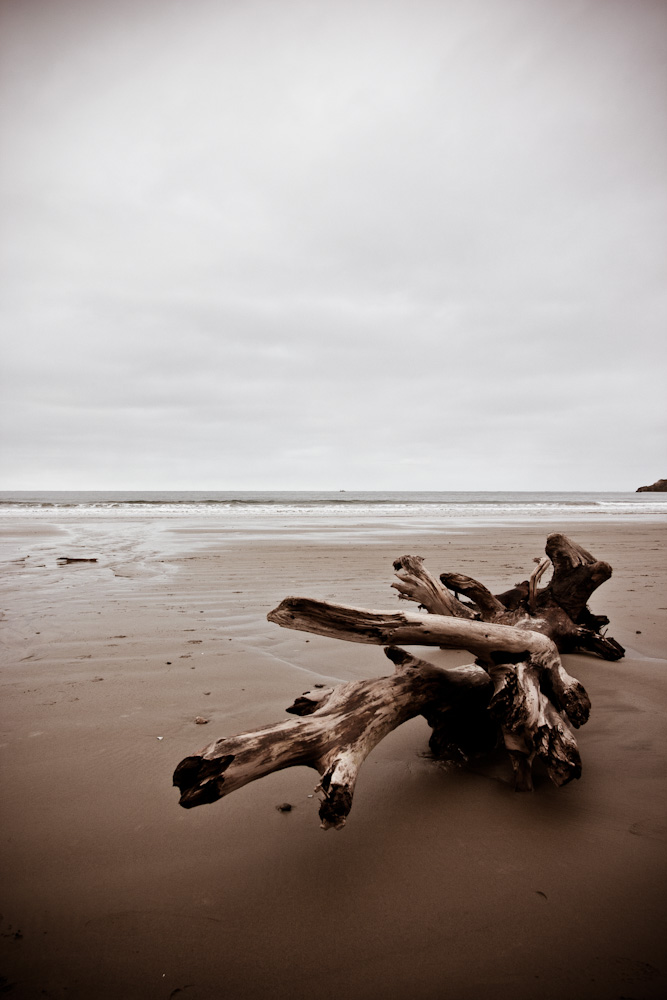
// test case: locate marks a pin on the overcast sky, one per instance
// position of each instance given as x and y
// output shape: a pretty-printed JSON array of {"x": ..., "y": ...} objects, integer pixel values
[{"x": 320, "y": 244}]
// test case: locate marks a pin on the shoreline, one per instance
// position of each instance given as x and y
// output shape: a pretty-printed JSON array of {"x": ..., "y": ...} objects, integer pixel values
[{"x": 444, "y": 882}]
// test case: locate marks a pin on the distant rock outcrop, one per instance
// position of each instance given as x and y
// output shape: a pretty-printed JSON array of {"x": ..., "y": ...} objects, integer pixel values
[{"x": 659, "y": 487}]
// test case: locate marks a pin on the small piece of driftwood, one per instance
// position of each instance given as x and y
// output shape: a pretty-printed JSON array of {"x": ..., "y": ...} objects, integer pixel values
[
  {"x": 516, "y": 694},
  {"x": 74, "y": 559}
]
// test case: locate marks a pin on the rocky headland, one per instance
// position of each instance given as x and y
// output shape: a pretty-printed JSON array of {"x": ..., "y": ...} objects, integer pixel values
[{"x": 659, "y": 487}]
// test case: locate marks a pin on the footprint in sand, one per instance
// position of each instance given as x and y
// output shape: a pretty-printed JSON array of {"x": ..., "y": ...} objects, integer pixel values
[
  {"x": 631, "y": 970},
  {"x": 649, "y": 828}
]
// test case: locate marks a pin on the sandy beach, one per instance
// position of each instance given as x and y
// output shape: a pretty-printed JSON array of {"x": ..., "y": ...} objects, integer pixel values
[{"x": 444, "y": 884}]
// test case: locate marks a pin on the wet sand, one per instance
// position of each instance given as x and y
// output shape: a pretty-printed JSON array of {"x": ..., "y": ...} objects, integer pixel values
[{"x": 444, "y": 883}]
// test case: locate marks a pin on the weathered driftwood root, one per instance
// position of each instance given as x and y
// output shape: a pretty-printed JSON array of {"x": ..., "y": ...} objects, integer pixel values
[
  {"x": 521, "y": 691},
  {"x": 558, "y": 610},
  {"x": 517, "y": 692},
  {"x": 336, "y": 731}
]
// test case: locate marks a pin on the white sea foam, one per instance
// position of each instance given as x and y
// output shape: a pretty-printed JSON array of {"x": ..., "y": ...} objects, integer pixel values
[{"x": 253, "y": 508}]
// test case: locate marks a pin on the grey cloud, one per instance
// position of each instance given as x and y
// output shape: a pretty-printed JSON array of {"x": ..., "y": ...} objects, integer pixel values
[{"x": 308, "y": 242}]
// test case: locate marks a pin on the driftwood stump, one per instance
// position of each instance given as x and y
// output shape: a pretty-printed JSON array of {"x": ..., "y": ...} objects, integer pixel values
[{"x": 517, "y": 692}]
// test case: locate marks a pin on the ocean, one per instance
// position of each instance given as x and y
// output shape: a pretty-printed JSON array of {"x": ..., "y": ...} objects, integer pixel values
[{"x": 251, "y": 505}]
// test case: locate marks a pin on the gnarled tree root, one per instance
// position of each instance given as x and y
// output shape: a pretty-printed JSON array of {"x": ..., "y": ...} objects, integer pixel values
[
  {"x": 517, "y": 692},
  {"x": 517, "y": 688}
]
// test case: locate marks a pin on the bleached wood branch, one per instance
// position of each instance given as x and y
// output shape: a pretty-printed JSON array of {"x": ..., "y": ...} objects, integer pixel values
[
  {"x": 490, "y": 642},
  {"x": 415, "y": 583},
  {"x": 337, "y": 730}
]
